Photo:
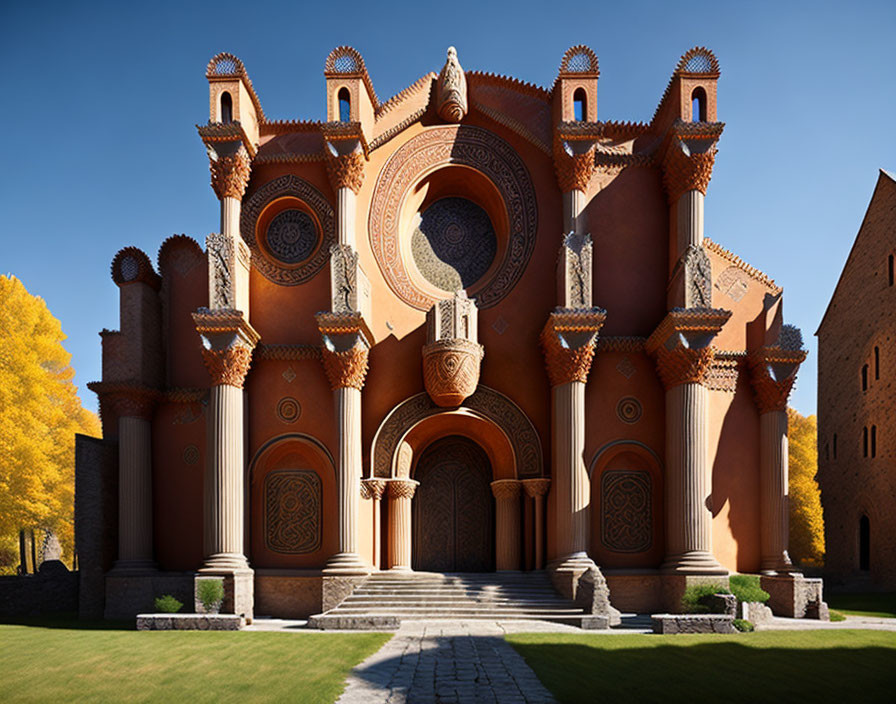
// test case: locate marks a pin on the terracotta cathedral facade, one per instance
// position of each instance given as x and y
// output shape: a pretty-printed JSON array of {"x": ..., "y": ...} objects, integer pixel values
[{"x": 470, "y": 328}]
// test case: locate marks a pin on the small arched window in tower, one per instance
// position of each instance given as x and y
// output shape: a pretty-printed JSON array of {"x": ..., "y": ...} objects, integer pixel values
[
  {"x": 834, "y": 445},
  {"x": 864, "y": 377},
  {"x": 890, "y": 266},
  {"x": 345, "y": 105},
  {"x": 226, "y": 108},
  {"x": 864, "y": 544},
  {"x": 698, "y": 105},
  {"x": 580, "y": 105},
  {"x": 874, "y": 441},
  {"x": 865, "y": 441},
  {"x": 876, "y": 363}
]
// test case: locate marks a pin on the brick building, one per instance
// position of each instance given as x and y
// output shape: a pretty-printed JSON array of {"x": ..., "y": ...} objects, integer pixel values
[{"x": 857, "y": 404}]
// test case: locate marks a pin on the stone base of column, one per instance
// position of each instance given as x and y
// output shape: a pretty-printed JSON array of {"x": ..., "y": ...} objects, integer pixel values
[
  {"x": 400, "y": 570},
  {"x": 674, "y": 585},
  {"x": 565, "y": 573},
  {"x": 225, "y": 562},
  {"x": 695, "y": 562},
  {"x": 796, "y": 596},
  {"x": 778, "y": 565},
  {"x": 347, "y": 564},
  {"x": 239, "y": 590}
]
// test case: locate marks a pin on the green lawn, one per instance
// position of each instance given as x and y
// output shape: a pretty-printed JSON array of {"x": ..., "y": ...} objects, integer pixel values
[
  {"x": 816, "y": 666},
  {"x": 64, "y": 664},
  {"x": 882, "y": 604}
]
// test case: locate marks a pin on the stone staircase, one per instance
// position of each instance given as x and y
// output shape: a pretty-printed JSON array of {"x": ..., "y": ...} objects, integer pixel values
[{"x": 385, "y": 599}]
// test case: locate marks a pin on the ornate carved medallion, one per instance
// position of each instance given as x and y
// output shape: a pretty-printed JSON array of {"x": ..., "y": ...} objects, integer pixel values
[
  {"x": 291, "y": 236},
  {"x": 626, "y": 518},
  {"x": 629, "y": 409},
  {"x": 288, "y": 410},
  {"x": 292, "y": 511},
  {"x": 443, "y": 146}
]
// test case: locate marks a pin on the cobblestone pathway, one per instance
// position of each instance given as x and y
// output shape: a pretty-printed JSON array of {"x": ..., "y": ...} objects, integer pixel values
[{"x": 445, "y": 662}]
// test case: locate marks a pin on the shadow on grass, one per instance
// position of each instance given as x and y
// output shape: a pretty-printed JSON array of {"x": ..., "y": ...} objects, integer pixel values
[
  {"x": 722, "y": 671},
  {"x": 881, "y": 604},
  {"x": 68, "y": 621}
]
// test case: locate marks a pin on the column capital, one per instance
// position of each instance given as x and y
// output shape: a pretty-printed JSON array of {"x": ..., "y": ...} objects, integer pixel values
[
  {"x": 568, "y": 342},
  {"x": 772, "y": 373},
  {"x": 123, "y": 399},
  {"x": 373, "y": 489},
  {"x": 536, "y": 487},
  {"x": 346, "y": 151},
  {"x": 506, "y": 488},
  {"x": 345, "y": 350},
  {"x": 402, "y": 488},
  {"x": 689, "y": 157},
  {"x": 573, "y": 163},
  {"x": 230, "y": 166},
  {"x": 682, "y": 344},
  {"x": 227, "y": 343}
]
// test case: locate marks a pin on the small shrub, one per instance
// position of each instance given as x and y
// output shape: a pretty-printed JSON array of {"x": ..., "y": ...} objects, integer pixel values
[
  {"x": 743, "y": 625},
  {"x": 698, "y": 599},
  {"x": 746, "y": 588},
  {"x": 167, "y": 604},
  {"x": 837, "y": 616},
  {"x": 211, "y": 593}
]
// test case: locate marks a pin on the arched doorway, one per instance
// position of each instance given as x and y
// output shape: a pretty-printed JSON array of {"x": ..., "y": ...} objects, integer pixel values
[{"x": 453, "y": 509}]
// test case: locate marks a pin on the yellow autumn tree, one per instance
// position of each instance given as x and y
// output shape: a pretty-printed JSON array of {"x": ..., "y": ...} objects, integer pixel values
[
  {"x": 806, "y": 519},
  {"x": 40, "y": 412}
]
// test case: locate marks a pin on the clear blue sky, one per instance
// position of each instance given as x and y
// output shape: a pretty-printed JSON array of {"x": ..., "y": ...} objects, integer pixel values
[{"x": 100, "y": 102}]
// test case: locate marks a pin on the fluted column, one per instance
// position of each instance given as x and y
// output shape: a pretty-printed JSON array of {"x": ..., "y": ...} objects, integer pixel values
[
  {"x": 536, "y": 489},
  {"x": 507, "y": 523},
  {"x": 374, "y": 489},
  {"x": 401, "y": 493},
  {"x": 683, "y": 350},
  {"x": 773, "y": 371},
  {"x": 345, "y": 168},
  {"x": 690, "y": 219}
]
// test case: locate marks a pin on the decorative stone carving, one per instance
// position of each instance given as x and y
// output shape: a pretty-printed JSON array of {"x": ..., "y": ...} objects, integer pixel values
[
  {"x": 772, "y": 373},
  {"x": 626, "y": 513},
  {"x": 402, "y": 488},
  {"x": 228, "y": 365},
  {"x": 574, "y": 271},
  {"x": 442, "y": 146},
  {"x": 733, "y": 282},
  {"x": 346, "y": 368},
  {"x": 288, "y": 410},
  {"x": 506, "y": 488},
  {"x": 452, "y": 89},
  {"x": 346, "y": 170},
  {"x": 291, "y": 236},
  {"x": 629, "y": 410},
  {"x": 227, "y": 344},
  {"x": 349, "y": 286},
  {"x": 722, "y": 374},
  {"x": 568, "y": 341},
  {"x": 682, "y": 344},
  {"x": 292, "y": 511},
  {"x": 230, "y": 167},
  {"x": 191, "y": 455},
  {"x": 221, "y": 264},
  {"x": 689, "y": 158},
  {"x": 573, "y": 164},
  {"x": 131, "y": 265},
  {"x": 321, "y": 211},
  {"x": 487, "y": 403},
  {"x": 373, "y": 488},
  {"x": 536, "y": 487},
  {"x": 697, "y": 278},
  {"x": 451, "y": 357},
  {"x": 118, "y": 400}
]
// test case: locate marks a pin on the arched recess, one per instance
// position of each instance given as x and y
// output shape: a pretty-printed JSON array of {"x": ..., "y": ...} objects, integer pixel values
[
  {"x": 291, "y": 482},
  {"x": 627, "y": 506},
  {"x": 488, "y": 417}
]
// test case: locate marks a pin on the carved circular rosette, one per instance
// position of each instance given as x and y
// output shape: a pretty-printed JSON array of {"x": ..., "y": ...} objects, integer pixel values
[
  {"x": 687, "y": 172},
  {"x": 230, "y": 174},
  {"x": 566, "y": 364},
  {"x": 451, "y": 370},
  {"x": 402, "y": 488},
  {"x": 683, "y": 365},
  {"x": 373, "y": 488},
  {"x": 574, "y": 170},
  {"x": 536, "y": 487},
  {"x": 228, "y": 366},
  {"x": 346, "y": 368},
  {"x": 346, "y": 171},
  {"x": 506, "y": 488}
]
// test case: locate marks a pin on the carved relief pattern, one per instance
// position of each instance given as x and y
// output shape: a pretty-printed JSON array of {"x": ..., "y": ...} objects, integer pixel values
[
  {"x": 402, "y": 488},
  {"x": 574, "y": 170},
  {"x": 291, "y": 236},
  {"x": 733, "y": 282},
  {"x": 288, "y": 410},
  {"x": 687, "y": 172},
  {"x": 566, "y": 364},
  {"x": 698, "y": 278},
  {"x": 629, "y": 410},
  {"x": 288, "y": 186},
  {"x": 536, "y": 487},
  {"x": 683, "y": 365},
  {"x": 626, "y": 518},
  {"x": 578, "y": 272},
  {"x": 722, "y": 375},
  {"x": 451, "y": 370},
  {"x": 489, "y": 403},
  {"x": 346, "y": 368},
  {"x": 345, "y": 278},
  {"x": 220, "y": 256},
  {"x": 229, "y": 365},
  {"x": 771, "y": 393},
  {"x": 230, "y": 174},
  {"x": 373, "y": 489},
  {"x": 506, "y": 489},
  {"x": 470, "y": 146},
  {"x": 292, "y": 511},
  {"x": 191, "y": 455},
  {"x": 346, "y": 171}
]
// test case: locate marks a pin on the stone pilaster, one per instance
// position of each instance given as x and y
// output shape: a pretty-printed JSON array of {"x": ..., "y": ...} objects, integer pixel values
[
  {"x": 536, "y": 490},
  {"x": 682, "y": 346},
  {"x": 507, "y": 524},
  {"x": 401, "y": 493},
  {"x": 773, "y": 372}
]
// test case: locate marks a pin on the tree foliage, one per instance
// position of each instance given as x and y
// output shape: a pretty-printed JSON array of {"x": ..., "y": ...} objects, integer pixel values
[
  {"x": 806, "y": 519},
  {"x": 40, "y": 412}
]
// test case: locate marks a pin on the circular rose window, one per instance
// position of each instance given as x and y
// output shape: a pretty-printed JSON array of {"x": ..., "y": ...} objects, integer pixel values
[
  {"x": 291, "y": 236},
  {"x": 453, "y": 243}
]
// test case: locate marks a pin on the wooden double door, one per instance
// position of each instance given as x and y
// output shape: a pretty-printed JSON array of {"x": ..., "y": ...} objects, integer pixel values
[{"x": 454, "y": 519}]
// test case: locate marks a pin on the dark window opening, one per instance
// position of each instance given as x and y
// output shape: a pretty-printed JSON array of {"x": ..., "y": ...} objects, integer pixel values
[
  {"x": 345, "y": 105},
  {"x": 877, "y": 363},
  {"x": 835, "y": 446},
  {"x": 226, "y": 108},
  {"x": 865, "y": 377},
  {"x": 698, "y": 105},
  {"x": 865, "y": 441},
  {"x": 864, "y": 544},
  {"x": 874, "y": 441},
  {"x": 579, "y": 105},
  {"x": 891, "y": 269}
]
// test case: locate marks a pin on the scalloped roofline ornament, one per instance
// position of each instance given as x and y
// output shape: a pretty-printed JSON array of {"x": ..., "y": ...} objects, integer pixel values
[
  {"x": 239, "y": 71},
  {"x": 680, "y": 71},
  {"x": 352, "y": 66}
]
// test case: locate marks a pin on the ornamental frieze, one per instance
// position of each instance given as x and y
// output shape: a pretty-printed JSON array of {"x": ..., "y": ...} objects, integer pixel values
[{"x": 292, "y": 511}]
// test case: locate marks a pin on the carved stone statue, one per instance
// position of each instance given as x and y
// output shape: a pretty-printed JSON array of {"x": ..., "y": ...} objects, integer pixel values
[{"x": 452, "y": 89}]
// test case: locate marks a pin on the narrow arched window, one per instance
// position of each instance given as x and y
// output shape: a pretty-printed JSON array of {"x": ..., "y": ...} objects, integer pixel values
[
  {"x": 891, "y": 269},
  {"x": 874, "y": 441},
  {"x": 864, "y": 377},
  {"x": 345, "y": 105},
  {"x": 698, "y": 105},
  {"x": 876, "y": 363},
  {"x": 834, "y": 446},
  {"x": 580, "y": 105},
  {"x": 864, "y": 544},
  {"x": 865, "y": 441},
  {"x": 226, "y": 108}
]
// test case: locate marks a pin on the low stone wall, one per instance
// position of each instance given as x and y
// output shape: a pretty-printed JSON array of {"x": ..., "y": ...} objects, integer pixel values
[
  {"x": 756, "y": 613},
  {"x": 190, "y": 622},
  {"x": 52, "y": 590},
  {"x": 796, "y": 596},
  {"x": 693, "y": 623}
]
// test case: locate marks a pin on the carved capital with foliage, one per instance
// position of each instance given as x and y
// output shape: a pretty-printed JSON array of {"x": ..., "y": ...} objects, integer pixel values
[
  {"x": 402, "y": 488},
  {"x": 574, "y": 164},
  {"x": 568, "y": 341},
  {"x": 373, "y": 488},
  {"x": 120, "y": 400},
  {"x": 230, "y": 166},
  {"x": 689, "y": 158},
  {"x": 682, "y": 344},
  {"x": 536, "y": 487},
  {"x": 773, "y": 373},
  {"x": 346, "y": 171},
  {"x": 345, "y": 350},
  {"x": 506, "y": 488},
  {"x": 227, "y": 344}
]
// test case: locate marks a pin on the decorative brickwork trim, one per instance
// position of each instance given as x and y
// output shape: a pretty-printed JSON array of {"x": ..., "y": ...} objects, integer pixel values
[
  {"x": 681, "y": 344},
  {"x": 422, "y": 83},
  {"x": 228, "y": 366},
  {"x": 735, "y": 260},
  {"x": 574, "y": 170},
  {"x": 723, "y": 373},
  {"x": 682, "y": 365},
  {"x": 683, "y": 172},
  {"x": 621, "y": 344},
  {"x": 288, "y": 353}
]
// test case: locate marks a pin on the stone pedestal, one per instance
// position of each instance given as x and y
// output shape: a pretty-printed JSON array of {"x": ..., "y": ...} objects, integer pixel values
[
  {"x": 795, "y": 596},
  {"x": 401, "y": 494},
  {"x": 507, "y": 524}
]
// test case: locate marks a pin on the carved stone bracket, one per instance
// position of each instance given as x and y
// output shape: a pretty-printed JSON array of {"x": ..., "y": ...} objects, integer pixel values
[
  {"x": 568, "y": 341},
  {"x": 772, "y": 373},
  {"x": 227, "y": 343},
  {"x": 689, "y": 158},
  {"x": 373, "y": 488},
  {"x": 230, "y": 166},
  {"x": 682, "y": 344},
  {"x": 345, "y": 350},
  {"x": 452, "y": 89},
  {"x": 536, "y": 487},
  {"x": 402, "y": 488}
]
